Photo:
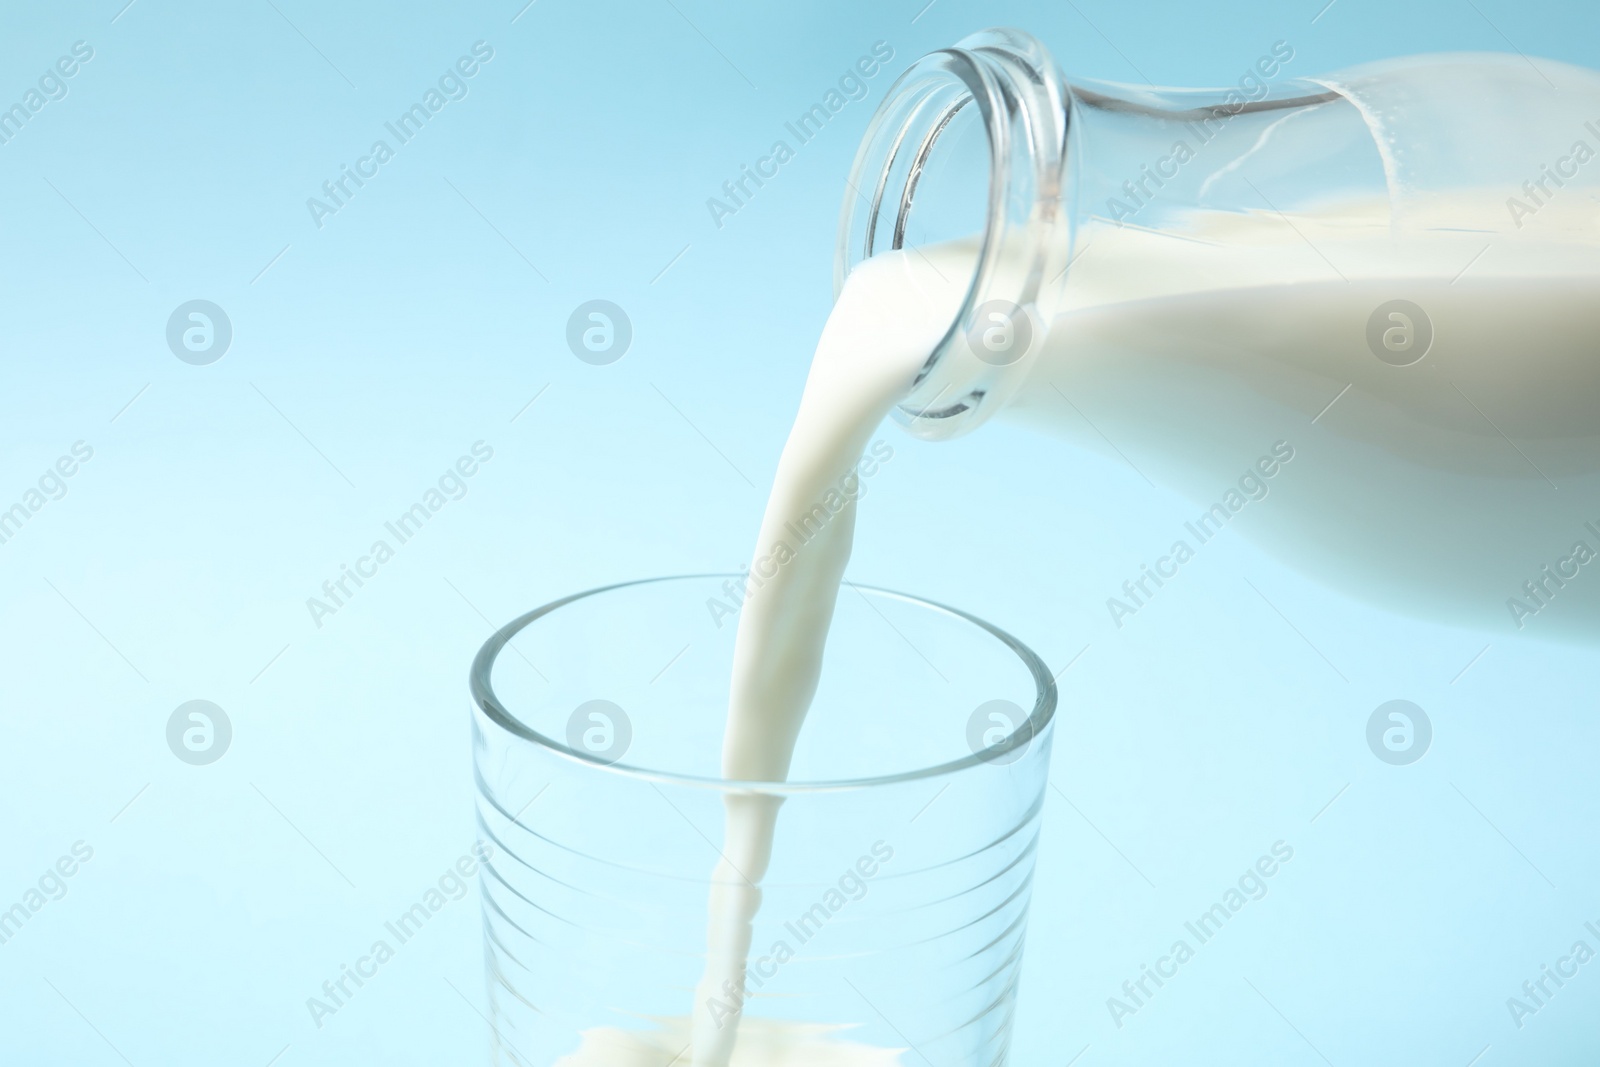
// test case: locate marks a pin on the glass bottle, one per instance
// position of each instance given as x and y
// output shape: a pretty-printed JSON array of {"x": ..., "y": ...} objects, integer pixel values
[{"x": 1372, "y": 297}]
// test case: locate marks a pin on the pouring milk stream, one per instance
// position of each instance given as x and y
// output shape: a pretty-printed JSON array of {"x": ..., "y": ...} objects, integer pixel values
[{"x": 1392, "y": 275}]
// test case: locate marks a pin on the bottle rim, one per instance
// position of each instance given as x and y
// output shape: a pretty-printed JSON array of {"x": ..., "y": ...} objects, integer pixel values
[{"x": 1022, "y": 100}]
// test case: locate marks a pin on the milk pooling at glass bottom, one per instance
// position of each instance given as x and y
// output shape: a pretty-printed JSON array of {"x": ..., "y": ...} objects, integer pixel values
[
  {"x": 1394, "y": 270},
  {"x": 902, "y": 861}
]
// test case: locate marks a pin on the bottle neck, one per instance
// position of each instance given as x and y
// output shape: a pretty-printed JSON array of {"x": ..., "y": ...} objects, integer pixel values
[
  {"x": 983, "y": 123},
  {"x": 972, "y": 144}
]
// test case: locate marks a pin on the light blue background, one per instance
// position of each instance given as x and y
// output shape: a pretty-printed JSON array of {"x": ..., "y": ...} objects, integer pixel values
[{"x": 427, "y": 313}]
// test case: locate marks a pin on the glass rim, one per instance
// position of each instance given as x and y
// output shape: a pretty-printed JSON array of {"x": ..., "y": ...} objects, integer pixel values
[{"x": 484, "y": 697}]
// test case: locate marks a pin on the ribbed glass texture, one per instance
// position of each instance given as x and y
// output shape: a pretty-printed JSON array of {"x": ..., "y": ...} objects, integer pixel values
[{"x": 891, "y": 920}]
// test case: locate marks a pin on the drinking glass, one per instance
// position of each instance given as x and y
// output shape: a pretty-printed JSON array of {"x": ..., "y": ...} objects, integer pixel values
[{"x": 891, "y": 919}]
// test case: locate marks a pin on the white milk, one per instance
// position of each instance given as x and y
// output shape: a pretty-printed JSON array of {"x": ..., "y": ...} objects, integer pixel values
[
  {"x": 1194, "y": 362},
  {"x": 1441, "y": 489},
  {"x": 886, "y": 321},
  {"x": 762, "y": 1043},
  {"x": 884, "y": 325}
]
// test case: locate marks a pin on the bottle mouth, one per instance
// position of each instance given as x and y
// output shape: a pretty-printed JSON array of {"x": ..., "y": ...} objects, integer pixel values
[{"x": 970, "y": 144}]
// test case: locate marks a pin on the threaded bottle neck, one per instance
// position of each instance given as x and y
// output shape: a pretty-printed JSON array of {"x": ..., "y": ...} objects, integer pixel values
[{"x": 970, "y": 142}]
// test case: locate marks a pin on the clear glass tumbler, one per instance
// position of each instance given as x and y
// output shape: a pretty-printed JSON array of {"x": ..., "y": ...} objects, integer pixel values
[{"x": 892, "y": 915}]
